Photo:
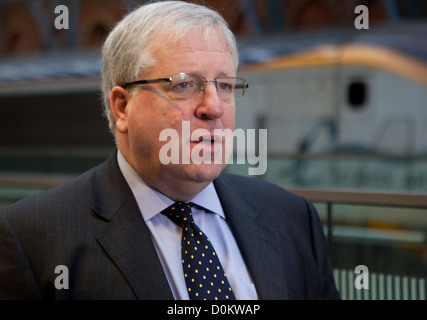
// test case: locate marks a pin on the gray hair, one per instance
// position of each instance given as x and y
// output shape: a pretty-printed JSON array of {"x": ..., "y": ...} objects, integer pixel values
[{"x": 127, "y": 51}]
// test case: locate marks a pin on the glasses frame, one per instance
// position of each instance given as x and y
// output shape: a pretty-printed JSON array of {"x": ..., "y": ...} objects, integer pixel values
[{"x": 243, "y": 86}]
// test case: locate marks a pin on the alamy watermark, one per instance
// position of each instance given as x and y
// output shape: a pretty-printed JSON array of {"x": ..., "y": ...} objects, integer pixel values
[
  {"x": 362, "y": 280},
  {"x": 61, "y": 281},
  {"x": 63, "y": 18},
  {"x": 214, "y": 147},
  {"x": 362, "y": 20}
]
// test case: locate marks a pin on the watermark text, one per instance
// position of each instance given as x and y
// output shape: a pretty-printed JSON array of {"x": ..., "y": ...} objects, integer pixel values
[
  {"x": 362, "y": 20},
  {"x": 214, "y": 148},
  {"x": 62, "y": 20}
]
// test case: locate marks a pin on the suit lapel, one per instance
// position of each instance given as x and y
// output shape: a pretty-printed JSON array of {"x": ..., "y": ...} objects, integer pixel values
[
  {"x": 126, "y": 238},
  {"x": 258, "y": 241}
]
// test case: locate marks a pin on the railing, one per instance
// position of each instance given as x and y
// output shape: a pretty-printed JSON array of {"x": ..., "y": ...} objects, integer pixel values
[
  {"x": 410, "y": 233},
  {"x": 31, "y": 181},
  {"x": 380, "y": 285},
  {"x": 14, "y": 187},
  {"x": 388, "y": 199}
]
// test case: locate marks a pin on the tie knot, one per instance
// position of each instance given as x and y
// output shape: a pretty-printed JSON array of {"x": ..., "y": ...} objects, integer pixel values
[{"x": 179, "y": 213}]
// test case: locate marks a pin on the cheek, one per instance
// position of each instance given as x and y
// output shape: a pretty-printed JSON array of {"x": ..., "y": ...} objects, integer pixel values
[
  {"x": 228, "y": 119},
  {"x": 138, "y": 123},
  {"x": 146, "y": 125},
  {"x": 141, "y": 129}
]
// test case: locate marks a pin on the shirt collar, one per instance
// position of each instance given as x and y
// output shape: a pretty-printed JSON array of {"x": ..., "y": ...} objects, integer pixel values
[{"x": 151, "y": 202}]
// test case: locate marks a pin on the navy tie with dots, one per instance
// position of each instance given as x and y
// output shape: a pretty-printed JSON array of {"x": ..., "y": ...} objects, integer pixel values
[{"x": 204, "y": 276}]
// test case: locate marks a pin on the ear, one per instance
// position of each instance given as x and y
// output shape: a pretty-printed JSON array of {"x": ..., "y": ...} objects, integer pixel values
[{"x": 119, "y": 103}]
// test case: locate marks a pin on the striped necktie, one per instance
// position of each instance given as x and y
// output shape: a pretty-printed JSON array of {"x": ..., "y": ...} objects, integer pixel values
[{"x": 203, "y": 273}]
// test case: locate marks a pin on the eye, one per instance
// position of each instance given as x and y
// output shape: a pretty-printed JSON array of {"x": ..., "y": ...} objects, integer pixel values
[
  {"x": 225, "y": 86},
  {"x": 182, "y": 86}
]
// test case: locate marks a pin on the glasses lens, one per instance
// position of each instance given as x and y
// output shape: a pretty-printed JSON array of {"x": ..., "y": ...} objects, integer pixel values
[
  {"x": 230, "y": 88},
  {"x": 240, "y": 88},
  {"x": 184, "y": 86}
]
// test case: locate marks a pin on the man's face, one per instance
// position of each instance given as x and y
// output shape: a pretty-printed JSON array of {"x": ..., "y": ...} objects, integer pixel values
[{"x": 151, "y": 111}]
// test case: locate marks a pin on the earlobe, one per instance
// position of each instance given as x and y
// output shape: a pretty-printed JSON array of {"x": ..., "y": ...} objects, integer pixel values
[{"x": 119, "y": 102}]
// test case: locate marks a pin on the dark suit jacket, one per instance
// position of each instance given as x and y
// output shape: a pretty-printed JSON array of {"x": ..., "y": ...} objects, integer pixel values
[{"x": 92, "y": 225}]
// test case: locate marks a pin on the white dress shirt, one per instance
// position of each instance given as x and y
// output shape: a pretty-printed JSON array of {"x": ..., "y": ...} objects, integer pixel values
[{"x": 209, "y": 217}]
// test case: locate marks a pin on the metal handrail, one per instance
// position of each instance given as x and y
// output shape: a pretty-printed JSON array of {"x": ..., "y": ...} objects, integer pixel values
[
  {"x": 374, "y": 198},
  {"x": 32, "y": 181}
]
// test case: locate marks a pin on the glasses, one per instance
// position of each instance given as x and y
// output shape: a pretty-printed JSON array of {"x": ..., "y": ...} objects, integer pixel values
[{"x": 183, "y": 86}]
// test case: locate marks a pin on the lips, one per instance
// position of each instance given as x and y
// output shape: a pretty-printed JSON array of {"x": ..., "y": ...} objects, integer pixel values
[
  {"x": 205, "y": 145},
  {"x": 207, "y": 139}
]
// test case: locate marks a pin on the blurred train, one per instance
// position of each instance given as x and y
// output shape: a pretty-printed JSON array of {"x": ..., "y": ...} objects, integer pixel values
[
  {"x": 342, "y": 109},
  {"x": 365, "y": 94}
]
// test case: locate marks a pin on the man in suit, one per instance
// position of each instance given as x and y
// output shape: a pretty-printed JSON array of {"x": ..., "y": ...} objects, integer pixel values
[{"x": 102, "y": 235}]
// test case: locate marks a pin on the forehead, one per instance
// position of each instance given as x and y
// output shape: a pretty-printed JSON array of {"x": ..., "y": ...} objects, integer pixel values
[
  {"x": 201, "y": 39},
  {"x": 195, "y": 47}
]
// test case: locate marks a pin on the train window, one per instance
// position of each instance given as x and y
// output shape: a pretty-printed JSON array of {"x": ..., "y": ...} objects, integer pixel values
[{"x": 357, "y": 94}]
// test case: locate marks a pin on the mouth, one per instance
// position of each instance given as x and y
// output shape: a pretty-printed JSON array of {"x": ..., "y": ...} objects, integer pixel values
[
  {"x": 207, "y": 139},
  {"x": 207, "y": 144}
]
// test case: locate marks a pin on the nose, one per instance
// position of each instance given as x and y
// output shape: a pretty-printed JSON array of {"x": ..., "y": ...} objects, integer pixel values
[{"x": 211, "y": 105}]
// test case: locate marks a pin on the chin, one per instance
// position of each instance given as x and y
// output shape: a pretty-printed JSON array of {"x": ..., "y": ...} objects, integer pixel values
[{"x": 204, "y": 172}]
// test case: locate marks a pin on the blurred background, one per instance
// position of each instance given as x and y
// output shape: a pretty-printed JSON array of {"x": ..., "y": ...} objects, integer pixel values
[{"x": 344, "y": 102}]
